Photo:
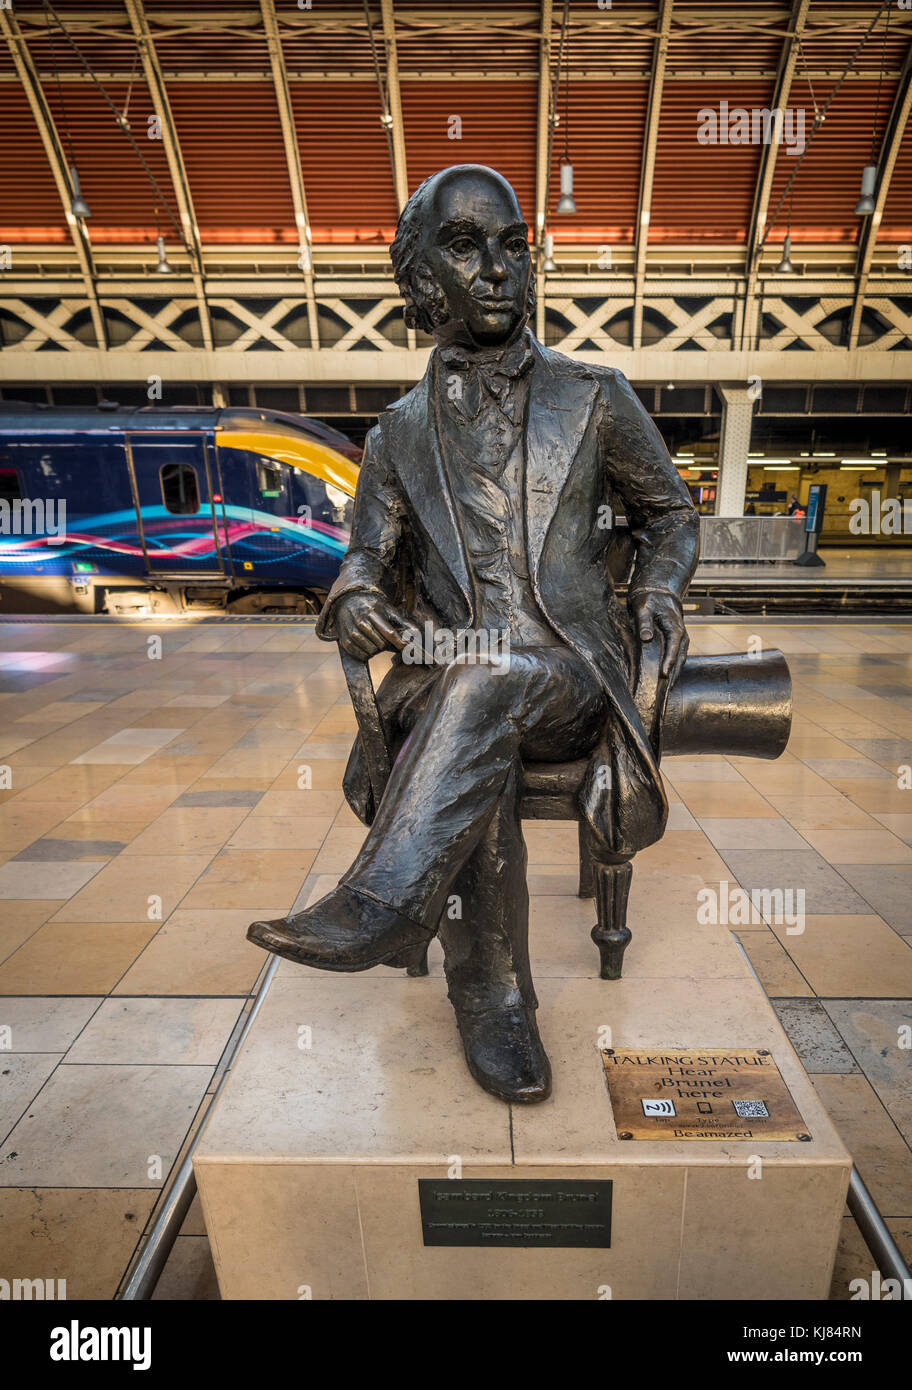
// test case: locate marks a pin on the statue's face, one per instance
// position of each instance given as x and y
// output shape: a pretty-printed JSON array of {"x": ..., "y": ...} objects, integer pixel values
[{"x": 476, "y": 247}]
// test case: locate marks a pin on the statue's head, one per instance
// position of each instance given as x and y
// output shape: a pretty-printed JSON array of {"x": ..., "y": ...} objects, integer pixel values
[{"x": 461, "y": 253}]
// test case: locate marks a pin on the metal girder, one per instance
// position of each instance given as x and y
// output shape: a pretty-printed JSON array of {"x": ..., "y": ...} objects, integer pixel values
[
  {"x": 787, "y": 62},
  {"x": 397, "y": 133},
  {"x": 157, "y": 90},
  {"x": 647, "y": 166},
  {"x": 293, "y": 161},
  {"x": 867, "y": 240},
  {"x": 543, "y": 153},
  {"x": 28, "y": 76},
  {"x": 394, "y": 97}
]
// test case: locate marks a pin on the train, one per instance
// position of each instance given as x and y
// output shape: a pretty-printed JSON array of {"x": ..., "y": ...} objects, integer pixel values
[{"x": 166, "y": 511}]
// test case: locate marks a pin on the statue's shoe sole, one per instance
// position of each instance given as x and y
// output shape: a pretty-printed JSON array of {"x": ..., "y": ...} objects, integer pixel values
[{"x": 262, "y": 934}]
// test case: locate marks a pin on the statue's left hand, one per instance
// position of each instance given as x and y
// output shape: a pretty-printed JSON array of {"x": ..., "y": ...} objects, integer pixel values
[{"x": 660, "y": 609}]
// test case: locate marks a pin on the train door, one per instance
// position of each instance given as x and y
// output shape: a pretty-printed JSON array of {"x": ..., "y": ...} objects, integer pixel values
[{"x": 178, "y": 503}]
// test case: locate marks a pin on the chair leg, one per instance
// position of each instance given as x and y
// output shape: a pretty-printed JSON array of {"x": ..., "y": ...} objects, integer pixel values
[
  {"x": 611, "y": 935},
  {"x": 586, "y": 880}
]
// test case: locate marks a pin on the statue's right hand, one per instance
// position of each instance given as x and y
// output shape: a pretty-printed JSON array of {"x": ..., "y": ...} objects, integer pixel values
[{"x": 363, "y": 623}]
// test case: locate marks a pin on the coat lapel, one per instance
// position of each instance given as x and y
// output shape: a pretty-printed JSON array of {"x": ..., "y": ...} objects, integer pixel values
[
  {"x": 559, "y": 408},
  {"x": 414, "y": 451}
]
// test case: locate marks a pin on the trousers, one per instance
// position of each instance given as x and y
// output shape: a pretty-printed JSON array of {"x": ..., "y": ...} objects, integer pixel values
[{"x": 446, "y": 845}]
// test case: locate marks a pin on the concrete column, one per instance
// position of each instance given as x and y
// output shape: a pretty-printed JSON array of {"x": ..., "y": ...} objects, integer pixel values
[{"x": 733, "y": 450}]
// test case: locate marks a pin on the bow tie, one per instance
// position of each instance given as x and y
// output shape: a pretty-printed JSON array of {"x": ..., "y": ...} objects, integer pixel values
[{"x": 490, "y": 373}]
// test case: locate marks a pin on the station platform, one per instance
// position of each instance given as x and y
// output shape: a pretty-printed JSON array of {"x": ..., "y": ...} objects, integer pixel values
[
  {"x": 152, "y": 809},
  {"x": 870, "y": 579}
]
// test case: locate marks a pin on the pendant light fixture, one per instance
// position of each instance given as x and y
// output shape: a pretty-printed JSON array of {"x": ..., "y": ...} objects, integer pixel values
[
  {"x": 865, "y": 205},
  {"x": 548, "y": 264},
  {"x": 78, "y": 205},
  {"x": 785, "y": 266},
  {"x": 566, "y": 203},
  {"x": 163, "y": 267}
]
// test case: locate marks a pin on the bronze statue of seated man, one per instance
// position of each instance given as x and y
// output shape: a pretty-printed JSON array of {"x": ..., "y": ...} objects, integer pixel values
[{"x": 485, "y": 504}]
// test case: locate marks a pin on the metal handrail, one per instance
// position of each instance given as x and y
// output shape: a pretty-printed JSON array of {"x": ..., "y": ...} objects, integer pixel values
[{"x": 181, "y": 1189}]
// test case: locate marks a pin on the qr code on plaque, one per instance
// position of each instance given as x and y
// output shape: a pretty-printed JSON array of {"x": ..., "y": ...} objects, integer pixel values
[{"x": 751, "y": 1109}]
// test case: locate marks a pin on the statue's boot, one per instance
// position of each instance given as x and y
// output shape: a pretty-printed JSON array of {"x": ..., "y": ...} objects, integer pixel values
[
  {"x": 486, "y": 946},
  {"x": 505, "y": 1053},
  {"x": 343, "y": 931}
]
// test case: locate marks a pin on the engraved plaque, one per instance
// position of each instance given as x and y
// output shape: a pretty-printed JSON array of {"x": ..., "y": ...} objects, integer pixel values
[
  {"x": 547, "y": 1213},
  {"x": 700, "y": 1093}
]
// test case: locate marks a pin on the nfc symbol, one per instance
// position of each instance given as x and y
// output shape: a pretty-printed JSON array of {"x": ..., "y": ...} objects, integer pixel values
[{"x": 658, "y": 1107}]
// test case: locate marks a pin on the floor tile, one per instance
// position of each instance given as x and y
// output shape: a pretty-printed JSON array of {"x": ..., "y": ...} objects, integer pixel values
[
  {"x": 57, "y": 850},
  {"x": 22, "y": 878},
  {"x": 878, "y": 1149},
  {"x": 821, "y": 812},
  {"x": 281, "y": 832},
  {"x": 128, "y": 746},
  {"x": 189, "y": 1274},
  {"x": 129, "y": 888},
  {"x": 71, "y": 958},
  {"x": 157, "y": 1031},
  {"x": 104, "y": 1126},
  {"x": 19, "y": 920},
  {"x": 742, "y": 832},
  {"x": 850, "y": 955},
  {"x": 39, "y": 1024},
  {"x": 814, "y": 1036},
  {"x": 778, "y": 975},
  {"x": 859, "y": 846},
  {"x": 22, "y": 1075},
  {"x": 49, "y": 1231},
  {"x": 200, "y": 952},
  {"x": 854, "y": 1259},
  {"x": 878, "y": 1032},
  {"x": 824, "y": 889},
  {"x": 218, "y": 798},
  {"x": 888, "y": 890},
  {"x": 249, "y": 878},
  {"x": 189, "y": 830},
  {"x": 722, "y": 800}
]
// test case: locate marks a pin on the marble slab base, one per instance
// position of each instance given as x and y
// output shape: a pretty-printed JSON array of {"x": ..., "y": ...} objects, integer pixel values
[{"x": 351, "y": 1088}]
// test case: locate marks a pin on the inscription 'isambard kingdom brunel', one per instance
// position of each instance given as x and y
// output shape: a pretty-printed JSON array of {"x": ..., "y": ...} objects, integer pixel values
[{"x": 474, "y": 1211}]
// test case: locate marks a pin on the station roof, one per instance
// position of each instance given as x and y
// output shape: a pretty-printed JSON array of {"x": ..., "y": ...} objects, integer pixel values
[{"x": 634, "y": 67}]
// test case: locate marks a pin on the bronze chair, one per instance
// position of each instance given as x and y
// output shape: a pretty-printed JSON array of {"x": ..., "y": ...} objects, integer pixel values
[{"x": 738, "y": 705}]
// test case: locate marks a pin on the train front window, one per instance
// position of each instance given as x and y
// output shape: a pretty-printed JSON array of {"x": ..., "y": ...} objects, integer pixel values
[
  {"x": 10, "y": 486},
  {"x": 269, "y": 479},
  {"x": 180, "y": 488}
]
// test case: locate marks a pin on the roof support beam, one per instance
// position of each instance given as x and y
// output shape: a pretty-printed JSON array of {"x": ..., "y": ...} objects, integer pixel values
[
  {"x": 543, "y": 154},
  {"x": 156, "y": 84},
  {"x": 394, "y": 97},
  {"x": 787, "y": 61},
  {"x": 397, "y": 131},
  {"x": 293, "y": 160},
  {"x": 53, "y": 148},
  {"x": 647, "y": 167},
  {"x": 867, "y": 239}
]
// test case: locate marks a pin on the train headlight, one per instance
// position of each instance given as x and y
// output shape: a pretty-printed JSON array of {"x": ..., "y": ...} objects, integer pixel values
[
  {"x": 337, "y": 498},
  {"x": 341, "y": 504}
]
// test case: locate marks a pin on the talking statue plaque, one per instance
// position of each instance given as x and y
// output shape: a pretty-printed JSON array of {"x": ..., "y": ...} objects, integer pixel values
[{"x": 487, "y": 513}]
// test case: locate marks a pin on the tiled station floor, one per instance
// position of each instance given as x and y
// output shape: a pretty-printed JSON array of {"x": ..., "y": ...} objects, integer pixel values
[{"x": 152, "y": 808}]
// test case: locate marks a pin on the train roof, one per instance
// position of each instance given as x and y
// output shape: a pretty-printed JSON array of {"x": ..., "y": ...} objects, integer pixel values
[{"x": 30, "y": 418}]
